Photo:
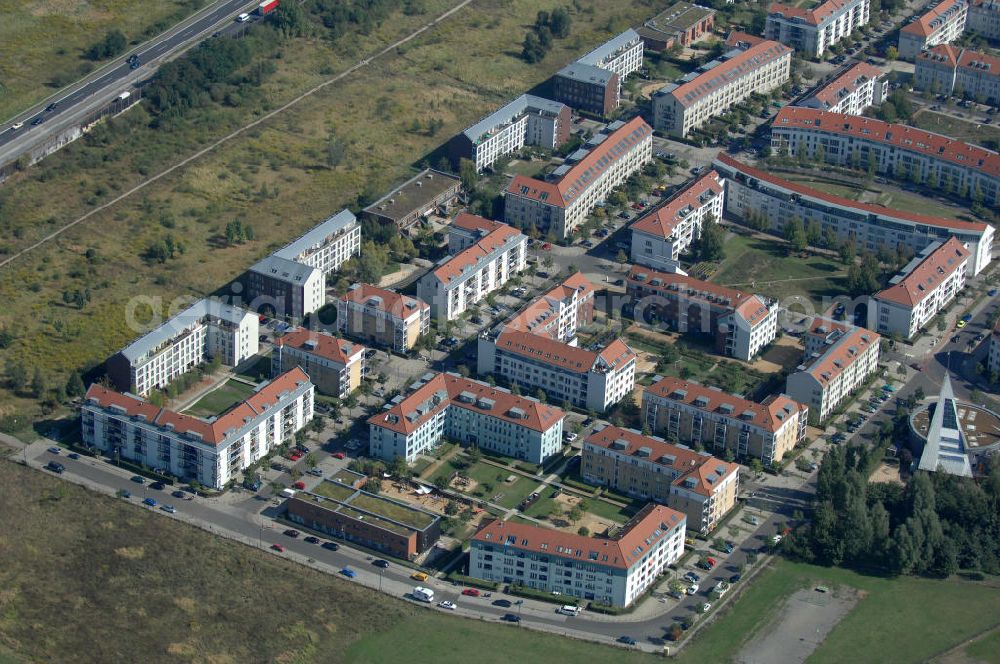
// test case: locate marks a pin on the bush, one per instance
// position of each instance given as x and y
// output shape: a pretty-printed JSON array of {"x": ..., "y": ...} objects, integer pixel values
[{"x": 473, "y": 582}]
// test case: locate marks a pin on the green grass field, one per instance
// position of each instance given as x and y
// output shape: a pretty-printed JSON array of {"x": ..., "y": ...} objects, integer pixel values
[
  {"x": 882, "y": 627},
  {"x": 220, "y": 399},
  {"x": 962, "y": 130}
]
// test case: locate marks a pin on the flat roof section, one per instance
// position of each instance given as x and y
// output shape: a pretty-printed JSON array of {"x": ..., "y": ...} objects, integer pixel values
[{"x": 417, "y": 193}]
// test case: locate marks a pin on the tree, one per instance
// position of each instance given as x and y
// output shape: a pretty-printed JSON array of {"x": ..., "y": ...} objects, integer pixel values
[
  {"x": 560, "y": 23},
  {"x": 74, "y": 385},
  {"x": 814, "y": 233},
  {"x": 468, "y": 173},
  {"x": 891, "y": 53},
  {"x": 711, "y": 243},
  {"x": 114, "y": 42},
  {"x": 38, "y": 382},
  {"x": 451, "y": 509},
  {"x": 399, "y": 467},
  {"x": 532, "y": 50},
  {"x": 373, "y": 485},
  {"x": 795, "y": 234},
  {"x": 17, "y": 375},
  {"x": 622, "y": 257},
  {"x": 575, "y": 514},
  {"x": 583, "y": 531},
  {"x": 846, "y": 251}
]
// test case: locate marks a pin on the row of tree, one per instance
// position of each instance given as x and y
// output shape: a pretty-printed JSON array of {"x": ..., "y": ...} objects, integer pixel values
[{"x": 547, "y": 27}]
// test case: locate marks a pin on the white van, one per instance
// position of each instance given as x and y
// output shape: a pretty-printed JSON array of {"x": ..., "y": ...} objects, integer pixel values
[
  {"x": 423, "y": 594},
  {"x": 569, "y": 610},
  {"x": 287, "y": 493},
  {"x": 243, "y": 18}
]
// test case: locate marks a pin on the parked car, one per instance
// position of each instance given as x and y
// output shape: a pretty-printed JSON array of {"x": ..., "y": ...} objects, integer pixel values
[
  {"x": 735, "y": 578},
  {"x": 511, "y": 617},
  {"x": 627, "y": 640},
  {"x": 54, "y": 450},
  {"x": 149, "y": 501},
  {"x": 419, "y": 576},
  {"x": 471, "y": 592},
  {"x": 169, "y": 509},
  {"x": 178, "y": 494},
  {"x": 503, "y": 603},
  {"x": 159, "y": 486},
  {"x": 451, "y": 606},
  {"x": 312, "y": 539},
  {"x": 338, "y": 455},
  {"x": 692, "y": 589},
  {"x": 300, "y": 485},
  {"x": 291, "y": 533},
  {"x": 277, "y": 547},
  {"x": 348, "y": 572},
  {"x": 384, "y": 564},
  {"x": 73, "y": 455},
  {"x": 331, "y": 546},
  {"x": 55, "y": 467}
]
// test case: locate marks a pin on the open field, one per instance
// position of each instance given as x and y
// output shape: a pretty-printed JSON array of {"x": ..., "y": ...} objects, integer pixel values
[
  {"x": 43, "y": 41},
  {"x": 220, "y": 399},
  {"x": 880, "y": 628},
  {"x": 166, "y": 592},
  {"x": 275, "y": 178},
  {"x": 962, "y": 130}
]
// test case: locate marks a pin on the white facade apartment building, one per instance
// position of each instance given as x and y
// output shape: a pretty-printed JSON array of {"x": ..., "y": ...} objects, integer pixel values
[
  {"x": 460, "y": 281},
  {"x": 928, "y": 284},
  {"x": 857, "y": 88},
  {"x": 560, "y": 312},
  {"x": 584, "y": 181},
  {"x": 814, "y": 31},
  {"x": 212, "y": 452},
  {"x": 621, "y": 55},
  {"x": 712, "y": 89},
  {"x": 466, "y": 411},
  {"x": 947, "y": 70},
  {"x": 327, "y": 246},
  {"x": 206, "y": 329},
  {"x": 984, "y": 18},
  {"x": 753, "y": 191},
  {"x": 662, "y": 235},
  {"x": 528, "y": 120},
  {"x": 897, "y": 150},
  {"x": 383, "y": 316},
  {"x": 612, "y": 571},
  {"x": 837, "y": 361},
  {"x": 941, "y": 24}
]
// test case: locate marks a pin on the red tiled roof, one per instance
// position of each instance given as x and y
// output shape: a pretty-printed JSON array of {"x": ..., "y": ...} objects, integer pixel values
[
  {"x": 650, "y": 525},
  {"x": 769, "y": 415},
  {"x": 922, "y": 26},
  {"x": 927, "y": 275},
  {"x": 753, "y": 310},
  {"x": 212, "y": 433},
  {"x": 544, "y": 349},
  {"x": 736, "y": 67},
  {"x": 979, "y": 61},
  {"x": 533, "y": 317},
  {"x": 813, "y": 16},
  {"x": 901, "y": 136},
  {"x": 470, "y": 255},
  {"x": 967, "y": 226},
  {"x": 444, "y": 390},
  {"x": 704, "y": 469},
  {"x": 662, "y": 221},
  {"x": 389, "y": 301},
  {"x": 561, "y": 194},
  {"x": 842, "y": 352},
  {"x": 736, "y": 39},
  {"x": 747, "y": 304},
  {"x": 940, "y": 53},
  {"x": 473, "y": 222},
  {"x": 832, "y": 93},
  {"x": 322, "y": 344}
]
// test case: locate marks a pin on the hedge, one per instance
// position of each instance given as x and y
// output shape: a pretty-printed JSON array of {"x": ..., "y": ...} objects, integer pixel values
[
  {"x": 463, "y": 580},
  {"x": 532, "y": 593}
]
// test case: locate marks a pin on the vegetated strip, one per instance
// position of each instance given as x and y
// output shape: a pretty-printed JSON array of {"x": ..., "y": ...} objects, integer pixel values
[{"x": 308, "y": 93}]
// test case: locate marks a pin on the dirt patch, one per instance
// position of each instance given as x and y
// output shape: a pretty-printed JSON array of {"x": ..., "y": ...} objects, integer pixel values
[
  {"x": 784, "y": 353},
  {"x": 804, "y": 620},
  {"x": 885, "y": 472}
]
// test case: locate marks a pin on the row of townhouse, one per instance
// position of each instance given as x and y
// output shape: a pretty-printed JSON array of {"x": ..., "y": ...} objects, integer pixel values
[
  {"x": 335, "y": 366},
  {"x": 582, "y": 183},
  {"x": 961, "y": 72},
  {"x": 205, "y": 330},
  {"x": 382, "y": 317},
  {"x": 212, "y": 452},
  {"x": 943, "y": 23},
  {"x": 752, "y": 191},
  {"x": 489, "y": 254},
  {"x": 614, "y": 570},
  {"x": 468, "y": 412},
  {"x": 751, "y": 66},
  {"x": 701, "y": 486},
  {"x": 815, "y": 29},
  {"x": 528, "y": 120},
  {"x": 837, "y": 361},
  {"x": 740, "y": 324},
  {"x": 291, "y": 282},
  {"x": 681, "y": 23},
  {"x": 593, "y": 83},
  {"x": 928, "y": 284},
  {"x": 984, "y": 18},
  {"x": 895, "y": 150},
  {"x": 855, "y": 89},
  {"x": 695, "y": 414},
  {"x": 537, "y": 349},
  {"x": 660, "y": 236}
]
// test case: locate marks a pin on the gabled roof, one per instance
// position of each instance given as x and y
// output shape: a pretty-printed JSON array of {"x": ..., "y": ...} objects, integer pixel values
[
  {"x": 769, "y": 415},
  {"x": 662, "y": 221},
  {"x": 265, "y": 399},
  {"x": 283, "y": 269},
  {"x": 919, "y": 279},
  {"x": 715, "y": 296},
  {"x": 980, "y": 62},
  {"x": 196, "y": 314},
  {"x": 934, "y": 18},
  {"x": 511, "y": 112},
  {"x": 846, "y": 83},
  {"x": 471, "y": 256},
  {"x": 318, "y": 236},
  {"x": 610, "y": 49},
  {"x": 814, "y": 16},
  {"x": 535, "y": 318},
  {"x": 322, "y": 344},
  {"x": 721, "y": 75},
  {"x": 696, "y": 471},
  {"x": 473, "y": 222},
  {"x": 391, "y": 302},
  {"x": 901, "y": 136},
  {"x": 438, "y": 391},
  {"x": 940, "y": 54},
  {"x": 649, "y": 526},
  {"x": 844, "y": 346},
  {"x": 737, "y": 39}
]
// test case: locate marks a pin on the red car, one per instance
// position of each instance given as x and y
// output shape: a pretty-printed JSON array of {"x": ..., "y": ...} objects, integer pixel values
[
  {"x": 300, "y": 485},
  {"x": 471, "y": 592},
  {"x": 295, "y": 456},
  {"x": 277, "y": 547},
  {"x": 339, "y": 455},
  {"x": 546, "y": 246}
]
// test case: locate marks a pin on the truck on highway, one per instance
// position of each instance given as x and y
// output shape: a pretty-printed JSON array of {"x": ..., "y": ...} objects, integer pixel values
[
  {"x": 243, "y": 18},
  {"x": 125, "y": 95},
  {"x": 266, "y": 7},
  {"x": 423, "y": 594}
]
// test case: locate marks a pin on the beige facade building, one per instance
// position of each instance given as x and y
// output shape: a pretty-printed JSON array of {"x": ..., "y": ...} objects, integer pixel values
[
  {"x": 382, "y": 317},
  {"x": 941, "y": 24},
  {"x": 334, "y": 366}
]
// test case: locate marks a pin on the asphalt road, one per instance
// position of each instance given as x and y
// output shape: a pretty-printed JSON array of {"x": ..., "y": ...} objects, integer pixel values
[{"x": 101, "y": 86}]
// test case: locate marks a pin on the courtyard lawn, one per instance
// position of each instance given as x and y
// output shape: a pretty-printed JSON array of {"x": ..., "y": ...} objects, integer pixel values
[
  {"x": 258, "y": 371},
  {"x": 880, "y": 628},
  {"x": 605, "y": 510},
  {"x": 962, "y": 130},
  {"x": 490, "y": 481},
  {"x": 221, "y": 399}
]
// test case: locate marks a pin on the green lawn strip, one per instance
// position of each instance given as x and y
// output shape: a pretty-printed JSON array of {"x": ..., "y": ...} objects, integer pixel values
[
  {"x": 258, "y": 371},
  {"x": 962, "y": 130},
  {"x": 333, "y": 490},
  {"x": 221, "y": 399},
  {"x": 544, "y": 506},
  {"x": 986, "y": 649},
  {"x": 391, "y": 510},
  {"x": 605, "y": 510}
]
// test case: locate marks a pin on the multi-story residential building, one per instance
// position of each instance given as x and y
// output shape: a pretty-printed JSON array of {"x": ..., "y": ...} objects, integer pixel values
[
  {"x": 609, "y": 570},
  {"x": 660, "y": 236},
  {"x": 458, "y": 282},
  {"x": 837, "y": 361},
  {"x": 560, "y": 312},
  {"x": 427, "y": 192},
  {"x": 528, "y": 120},
  {"x": 713, "y": 88},
  {"x": 855, "y": 89},
  {"x": 741, "y": 324},
  {"x": 466, "y": 411},
  {"x": 752, "y": 191},
  {"x": 382, "y": 317},
  {"x": 212, "y": 452},
  {"x": 813, "y": 31},
  {"x": 941, "y": 24},
  {"x": 680, "y": 23},
  {"x": 334, "y": 366},
  {"x": 928, "y": 284},
  {"x": 327, "y": 246},
  {"x": 984, "y": 18},
  {"x": 694, "y": 414},
  {"x": 947, "y": 70},
  {"x": 701, "y": 486},
  {"x": 594, "y": 82},
  {"x": 994, "y": 356},
  {"x": 589, "y": 175},
  {"x": 896, "y": 150},
  {"x": 206, "y": 329}
]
